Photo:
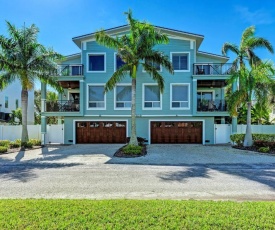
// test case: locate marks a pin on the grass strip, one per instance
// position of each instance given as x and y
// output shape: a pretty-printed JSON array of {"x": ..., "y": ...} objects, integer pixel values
[{"x": 135, "y": 214}]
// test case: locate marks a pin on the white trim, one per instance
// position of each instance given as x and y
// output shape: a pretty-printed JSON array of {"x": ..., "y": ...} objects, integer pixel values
[
  {"x": 74, "y": 126},
  {"x": 121, "y": 84},
  {"x": 189, "y": 96},
  {"x": 84, "y": 45},
  {"x": 87, "y": 62},
  {"x": 87, "y": 96},
  {"x": 193, "y": 120},
  {"x": 143, "y": 97},
  {"x": 183, "y": 52},
  {"x": 191, "y": 45},
  {"x": 170, "y": 115}
]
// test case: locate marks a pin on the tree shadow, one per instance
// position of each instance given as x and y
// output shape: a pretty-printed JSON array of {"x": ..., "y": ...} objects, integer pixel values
[{"x": 189, "y": 172}]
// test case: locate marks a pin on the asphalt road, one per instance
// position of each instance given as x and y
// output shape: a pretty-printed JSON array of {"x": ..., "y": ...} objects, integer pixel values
[{"x": 167, "y": 172}]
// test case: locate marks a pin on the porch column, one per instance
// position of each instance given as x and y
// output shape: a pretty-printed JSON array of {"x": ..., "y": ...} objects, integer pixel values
[
  {"x": 234, "y": 119},
  {"x": 43, "y": 109},
  {"x": 194, "y": 93},
  {"x": 43, "y": 129},
  {"x": 81, "y": 96}
]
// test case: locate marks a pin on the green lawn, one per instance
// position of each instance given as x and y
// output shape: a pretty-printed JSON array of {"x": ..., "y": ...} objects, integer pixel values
[{"x": 135, "y": 214}]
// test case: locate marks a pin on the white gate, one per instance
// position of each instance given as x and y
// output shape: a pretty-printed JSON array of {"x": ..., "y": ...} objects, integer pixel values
[
  {"x": 222, "y": 133},
  {"x": 55, "y": 134}
]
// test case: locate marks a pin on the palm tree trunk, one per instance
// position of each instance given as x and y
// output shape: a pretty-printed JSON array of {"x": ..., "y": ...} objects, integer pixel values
[
  {"x": 248, "y": 135},
  {"x": 133, "y": 138},
  {"x": 24, "y": 104}
]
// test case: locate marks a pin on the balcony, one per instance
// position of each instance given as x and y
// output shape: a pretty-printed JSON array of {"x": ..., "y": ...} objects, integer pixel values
[
  {"x": 69, "y": 70},
  {"x": 211, "y": 105},
  {"x": 62, "y": 106},
  {"x": 213, "y": 69}
]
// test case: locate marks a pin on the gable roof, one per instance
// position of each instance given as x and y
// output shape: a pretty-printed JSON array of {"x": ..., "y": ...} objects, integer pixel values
[
  {"x": 112, "y": 31},
  {"x": 217, "y": 56}
]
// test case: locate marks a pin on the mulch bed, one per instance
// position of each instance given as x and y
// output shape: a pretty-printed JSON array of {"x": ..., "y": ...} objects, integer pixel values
[
  {"x": 120, "y": 153},
  {"x": 254, "y": 149}
]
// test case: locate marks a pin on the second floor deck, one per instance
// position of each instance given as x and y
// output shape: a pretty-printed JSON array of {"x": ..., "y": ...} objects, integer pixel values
[{"x": 213, "y": 68}]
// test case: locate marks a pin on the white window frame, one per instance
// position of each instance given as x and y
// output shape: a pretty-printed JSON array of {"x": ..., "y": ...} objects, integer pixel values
[
  {"x": 207, "y": 91},
  {"x": 120, "y": 108},
  {"x": 143, "y": 97},
  {"x": 101, "y": 108},
  {"x": 188, "y": 66},
  {"x": 87, "y": 62},
  {"x": 171, "y": 93}
]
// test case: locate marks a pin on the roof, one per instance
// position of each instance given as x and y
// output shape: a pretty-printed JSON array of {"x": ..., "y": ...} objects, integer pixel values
[
  {"x": 213, "y": 55},
  {"x": 198, "y": 37}
]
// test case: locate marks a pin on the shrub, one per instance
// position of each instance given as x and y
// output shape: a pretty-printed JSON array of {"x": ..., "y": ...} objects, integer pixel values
[
  {"x": 27, "y": 144},
  {"x": 260, "y": 143},
  {"x": 14, "y": 144},
  {"x": 4, "y": 143},
  {"x": 35, "y": 142},
  {"x": 3, "y": 149},
  {"x": 132, "y": 149},
  {"x": 264, "y": 149},
  {"x": 239, "y": 138}
]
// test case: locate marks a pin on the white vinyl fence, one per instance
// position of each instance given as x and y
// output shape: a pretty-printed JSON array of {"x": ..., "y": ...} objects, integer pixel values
[
  {"x": 223, "y": 131},
  {"x": 55, "y": 133}
]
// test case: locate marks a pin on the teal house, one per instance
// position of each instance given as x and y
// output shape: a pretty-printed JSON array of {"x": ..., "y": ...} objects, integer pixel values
[{"x": 192, "y": 102}]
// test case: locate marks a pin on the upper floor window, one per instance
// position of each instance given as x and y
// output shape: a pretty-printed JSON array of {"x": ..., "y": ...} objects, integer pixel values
[
  {"x": 180, "y": 62},
  {"x": 179, "y": 96},
  {"x": 6, "y": 102},
  {"x": 118, "y": 62},
  {"x": 151, "y": 97},
  {"x": 96, "y": 62},
  {"x": 96, "y": 97},
  {"x": 157, "y": 66},
  {"x": 123, "y": 97}
]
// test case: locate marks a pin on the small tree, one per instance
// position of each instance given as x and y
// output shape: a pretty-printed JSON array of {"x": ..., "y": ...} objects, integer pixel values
[
  {"x": 136, "y": 49},
  {"x": 23, "y": 58},
  {"x": 249, "y": 82}
]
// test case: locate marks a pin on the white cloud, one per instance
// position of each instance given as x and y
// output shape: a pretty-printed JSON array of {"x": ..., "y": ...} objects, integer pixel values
[{"x": 257, "y": 17}]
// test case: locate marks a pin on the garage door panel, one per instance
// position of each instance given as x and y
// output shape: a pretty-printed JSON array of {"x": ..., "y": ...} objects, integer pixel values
[
  {"x": 176, "y": 132},
  {"x": 101, "y": 132}
]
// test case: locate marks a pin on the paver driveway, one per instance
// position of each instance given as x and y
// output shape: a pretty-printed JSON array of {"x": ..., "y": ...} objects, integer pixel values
[{"x": 168, "y": 171}]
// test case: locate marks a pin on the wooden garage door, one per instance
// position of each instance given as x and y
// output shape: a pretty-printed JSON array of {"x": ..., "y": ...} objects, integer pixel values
[
  {"x": 176, "y": 132},
  {"x": 101, "y": 132}
]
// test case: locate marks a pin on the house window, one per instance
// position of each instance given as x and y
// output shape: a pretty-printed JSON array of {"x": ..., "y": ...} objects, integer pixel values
[
  {"x": 96, "y": 62},
  {"x": 76, "y": 70},
  {"x": 152, "y": 97},
  {"x": 6, "y": 102},
  {"x": 180, "y": 61},
  {"x": 96, "y": 98},
  {"x": 180, "y": 96},
  {"x": 123, "y": 97},
  {"x": 118, "y": 62},
  {"x": 16, "y": 104},
  {"x": 157, "y": 66}
]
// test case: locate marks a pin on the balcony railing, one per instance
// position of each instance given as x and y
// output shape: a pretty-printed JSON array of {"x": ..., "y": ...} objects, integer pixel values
[
  {"x": 211, "y": 106},
  {"x": 69, "y": 70},
  {"x": 213, "y": 69},
  {"x": 62, "y": 106}
]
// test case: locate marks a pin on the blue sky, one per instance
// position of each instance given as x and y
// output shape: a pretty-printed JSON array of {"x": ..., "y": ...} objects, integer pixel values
[{"x": 219, "y": 21}]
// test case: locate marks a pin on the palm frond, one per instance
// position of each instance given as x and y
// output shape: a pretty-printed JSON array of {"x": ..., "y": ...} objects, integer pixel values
[
  {"x": 229, "y": 46},
  {"x": 258, "y": 42},
  {"x": 106, "y": 40},
  {"x": 248, "y": 32},
  {"x": 155, "y": 75},
  {"x": 117, "y": 77},
  {"x": 6, "y": 79}
]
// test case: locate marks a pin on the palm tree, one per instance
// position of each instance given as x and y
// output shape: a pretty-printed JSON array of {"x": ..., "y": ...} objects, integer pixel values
[
  {"x": 251, "y": 83},
  {"x": 23, "y": 58},
  {"x": 136, "y": 49},
  {"x": 245, "y": 51}
]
